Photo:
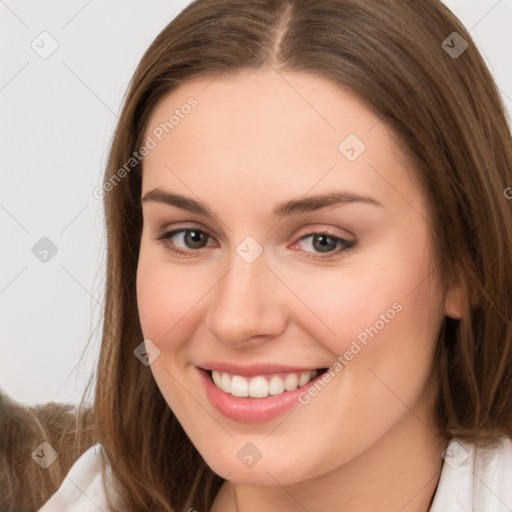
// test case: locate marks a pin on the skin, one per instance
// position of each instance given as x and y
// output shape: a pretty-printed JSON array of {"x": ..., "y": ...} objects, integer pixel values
[{"x": 367, "y": 440}]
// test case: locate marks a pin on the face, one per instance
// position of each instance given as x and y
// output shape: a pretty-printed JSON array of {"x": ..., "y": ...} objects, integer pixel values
[{"x": 285, "y": 254}]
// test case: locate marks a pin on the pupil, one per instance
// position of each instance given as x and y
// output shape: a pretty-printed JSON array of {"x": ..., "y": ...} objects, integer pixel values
[
  {"x": 194, "y": 239},
  {"x": 323, "y": 243}
]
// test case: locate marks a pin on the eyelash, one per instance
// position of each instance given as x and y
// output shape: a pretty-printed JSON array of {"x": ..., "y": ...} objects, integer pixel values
[{"x": 346, "y": 245}]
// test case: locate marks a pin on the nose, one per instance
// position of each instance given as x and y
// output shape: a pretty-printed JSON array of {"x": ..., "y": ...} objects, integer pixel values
[{"x": 247, "y": 304}]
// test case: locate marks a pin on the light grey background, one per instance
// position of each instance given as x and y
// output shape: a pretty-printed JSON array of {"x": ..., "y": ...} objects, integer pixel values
[{"x": 57, "y": 118}]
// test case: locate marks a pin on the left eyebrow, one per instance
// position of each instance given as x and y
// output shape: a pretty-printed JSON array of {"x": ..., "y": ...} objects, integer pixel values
[
  {"x": 287, "y": 208},
  {"x": 313, "y": 203}
]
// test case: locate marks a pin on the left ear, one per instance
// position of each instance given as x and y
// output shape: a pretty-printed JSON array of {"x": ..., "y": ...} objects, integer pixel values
[
  {"x": 455, "y": 302},
  {"x": 456, "y": 299}
]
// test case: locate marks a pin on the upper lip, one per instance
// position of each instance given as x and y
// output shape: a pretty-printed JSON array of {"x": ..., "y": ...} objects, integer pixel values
[{"x": 254, "y": 369}]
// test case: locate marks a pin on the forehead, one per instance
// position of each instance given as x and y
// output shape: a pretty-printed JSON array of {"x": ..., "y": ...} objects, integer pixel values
[
  {"x": 263, "y": 103},
  {"x": 286, "y": 130}
]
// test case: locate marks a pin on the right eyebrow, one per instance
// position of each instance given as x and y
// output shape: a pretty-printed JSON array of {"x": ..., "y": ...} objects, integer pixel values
[{"x": 177, "y": 200}]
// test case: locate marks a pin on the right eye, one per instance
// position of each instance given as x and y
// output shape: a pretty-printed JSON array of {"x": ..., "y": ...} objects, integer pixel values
[{"x": 184, "y": 241}]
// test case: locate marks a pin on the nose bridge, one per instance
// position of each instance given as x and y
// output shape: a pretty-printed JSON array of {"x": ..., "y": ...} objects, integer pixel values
[{"x": 245, "y": 303}]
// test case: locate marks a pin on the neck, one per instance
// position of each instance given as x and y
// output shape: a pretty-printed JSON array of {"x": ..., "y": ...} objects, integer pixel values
[{"x": 398, "y": 472}]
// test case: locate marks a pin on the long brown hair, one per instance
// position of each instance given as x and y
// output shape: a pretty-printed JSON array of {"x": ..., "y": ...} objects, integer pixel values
[
  {"x": 447, "y": 113},
  {"x": 24, "y": 485}
]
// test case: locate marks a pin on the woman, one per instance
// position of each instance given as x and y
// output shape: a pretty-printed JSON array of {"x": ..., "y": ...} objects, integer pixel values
[{"x": 308, "y": 277}]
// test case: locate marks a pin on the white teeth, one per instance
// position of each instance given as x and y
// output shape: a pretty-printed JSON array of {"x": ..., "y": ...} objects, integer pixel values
[
  {"x": 260, "y": 386},
  {"x": 275, "y": 385},
  {"x": 239, "y": 386},
  {"x": 304, "y": 378},
  {"x": 217, "y": 378},
  {"x": 291, "y": 382},
  {"x": 226, "y": 383}
]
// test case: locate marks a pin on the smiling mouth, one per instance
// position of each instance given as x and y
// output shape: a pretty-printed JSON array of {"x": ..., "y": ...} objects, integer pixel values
[{"x": 262, "y": 386}]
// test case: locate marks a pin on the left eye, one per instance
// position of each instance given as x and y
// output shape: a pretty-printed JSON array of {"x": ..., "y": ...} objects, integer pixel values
[{"x": 326, "y": 243}]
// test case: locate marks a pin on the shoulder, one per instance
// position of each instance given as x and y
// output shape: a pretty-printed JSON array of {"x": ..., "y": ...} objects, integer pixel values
[
  {"x": 83, "y": 488},
  {"x": 475, "y": 477}
]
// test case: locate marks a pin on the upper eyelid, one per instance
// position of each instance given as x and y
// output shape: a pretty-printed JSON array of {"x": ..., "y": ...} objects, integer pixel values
[
  {"x": 309, "y": 232},
  {"x": 176, "y": 231},
  {"x": 316, "y": 228}
]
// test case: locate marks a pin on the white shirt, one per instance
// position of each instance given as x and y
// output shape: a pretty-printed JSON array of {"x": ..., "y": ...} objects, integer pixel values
[
  {"x": 471, "y": 480},
  {"x": 82, "y": 489}
]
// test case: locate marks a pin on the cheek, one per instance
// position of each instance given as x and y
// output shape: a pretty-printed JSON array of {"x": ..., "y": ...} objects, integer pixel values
[
  {"x": 389, "y": 295},
  {"x": 169, "y": 297},
  {"x": 159, "y": 308}
]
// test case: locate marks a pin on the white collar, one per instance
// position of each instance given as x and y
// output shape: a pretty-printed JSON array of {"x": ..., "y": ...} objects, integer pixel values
[{"x": 475, "y": 478}]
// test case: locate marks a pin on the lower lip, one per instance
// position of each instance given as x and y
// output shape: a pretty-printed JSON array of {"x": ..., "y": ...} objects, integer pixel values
[{"x": 252, "y": 410}]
